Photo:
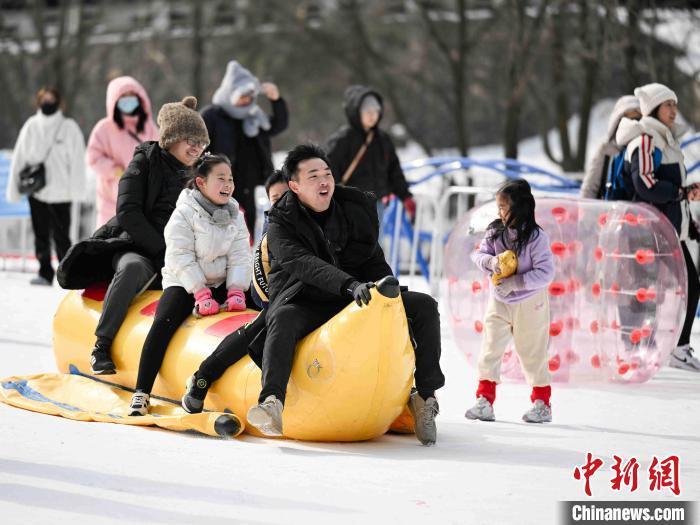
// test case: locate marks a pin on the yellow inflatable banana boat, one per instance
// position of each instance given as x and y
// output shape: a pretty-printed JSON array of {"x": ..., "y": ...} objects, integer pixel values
[{"x": 350, "y": 380}]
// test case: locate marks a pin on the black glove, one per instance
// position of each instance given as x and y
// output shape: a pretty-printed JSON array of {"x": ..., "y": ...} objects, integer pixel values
[{"x": 360, "y": 292}]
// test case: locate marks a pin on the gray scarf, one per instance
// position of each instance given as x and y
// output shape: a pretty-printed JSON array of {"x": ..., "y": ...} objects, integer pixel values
[{"x": 220, "y": 214}]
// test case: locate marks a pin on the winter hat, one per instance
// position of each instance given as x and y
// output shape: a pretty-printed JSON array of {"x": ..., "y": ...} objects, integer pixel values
[
  {"x": 370, "y": 103},
  {"x": 239, "y": 82},
  {"x": 623, "y": 105},
  {"x": 179, "y": 121},
  {"x": 652, "y": 95}
]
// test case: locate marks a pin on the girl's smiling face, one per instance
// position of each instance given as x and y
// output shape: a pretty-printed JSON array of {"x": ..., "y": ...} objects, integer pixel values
[
  {"x": 503, "y": 204},
  {"x": 218, "y": 185}
]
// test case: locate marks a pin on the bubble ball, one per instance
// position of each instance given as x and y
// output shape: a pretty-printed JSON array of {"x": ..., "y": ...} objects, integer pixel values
[{"x": 617, "y": 301}]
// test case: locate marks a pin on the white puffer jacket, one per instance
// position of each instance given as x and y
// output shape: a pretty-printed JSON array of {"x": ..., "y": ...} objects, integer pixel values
[
  {"x": 200, "y": 252},
  {"x": 62, "y": 139}
]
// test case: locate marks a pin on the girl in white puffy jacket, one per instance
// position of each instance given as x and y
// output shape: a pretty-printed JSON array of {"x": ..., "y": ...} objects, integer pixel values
[{"x": 207, "y": 261}]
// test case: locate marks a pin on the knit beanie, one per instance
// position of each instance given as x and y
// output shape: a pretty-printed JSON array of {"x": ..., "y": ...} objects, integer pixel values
[
  {"x": 370, "y": 103},
  {"x": 179, "y": 121},
  {"x": 623, "y": 105},
  {"x": 652, "y": 95}
]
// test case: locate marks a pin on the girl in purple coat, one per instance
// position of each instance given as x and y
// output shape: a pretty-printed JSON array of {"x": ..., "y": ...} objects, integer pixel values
[{"x": 518, "y": 307}]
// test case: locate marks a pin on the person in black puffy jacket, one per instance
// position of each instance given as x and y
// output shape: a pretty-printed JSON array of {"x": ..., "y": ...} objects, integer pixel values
[{"x": 129, "y": 249}]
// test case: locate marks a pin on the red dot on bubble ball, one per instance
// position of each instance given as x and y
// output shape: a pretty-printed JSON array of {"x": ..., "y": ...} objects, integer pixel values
[
  {"x": 558, "y": 249},
  {"x": 559, "y": 214},
  {"x": 595, "y": 289},
  {"x": 554, "y": 363},
  {"x": 645, "y": 331},
  {"x": 634, "y": 366},
  {"x": 603, "y": 219},
  {"x": 615, "y": 253},
  {"x": 641, "y": 256},
  {"x": 636, "y": 336},
  {"x": 595, "y": 361},
  {"x": 651, "y": 294},
  {"x": 476, "y": 286},
  {"x": 557, "y": 288},
  {"x": 614, "y": 288},
  {"x": 631, "y": 219},
  {"x": 615, "y": 325},
  {"x": 555, "y": 328},
  {"x": 478, "y": 326},
  {"x": 594, "y": 327},
  {"x": 598, "y": 254},
  {"x": 641, "y": 295},
  {"x": 623, "y": 369}
]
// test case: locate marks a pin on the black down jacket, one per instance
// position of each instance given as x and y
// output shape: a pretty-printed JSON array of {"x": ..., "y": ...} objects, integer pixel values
[{"x": 148, "y": 191}]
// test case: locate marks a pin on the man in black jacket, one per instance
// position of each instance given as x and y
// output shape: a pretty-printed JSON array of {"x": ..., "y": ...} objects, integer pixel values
[{"x": 323, "y": 249}]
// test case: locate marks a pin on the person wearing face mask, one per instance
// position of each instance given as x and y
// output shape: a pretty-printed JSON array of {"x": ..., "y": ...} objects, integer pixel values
[
  {"x": 362, "y": 155},
  {"x": 241, "y": 130},
  {"x": 129, "y": 250},
  {"x": 51, "y": 138},
  {"x": 128, "y": 123}
]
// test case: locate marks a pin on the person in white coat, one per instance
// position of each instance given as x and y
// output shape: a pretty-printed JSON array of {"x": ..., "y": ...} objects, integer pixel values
[
  {"x": 207, "y": 260},
  {"x": 51, "y": 138}
]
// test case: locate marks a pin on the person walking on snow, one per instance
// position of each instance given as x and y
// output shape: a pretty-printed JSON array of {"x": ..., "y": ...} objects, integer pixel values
[
  {"x": 51, "y": 138},
  {"x": 664, "y": 186},
  {"x": 363, "y": 155},
  {"x": 128, "y": 251},
  {"x": 207, "y": 261},
  {"x": 595, "y": 179},
  {"x": 324, "y": 252},
  {"x": 241, "y": 130},
  {"x": 112, "y": 142},
  {"x": 519, "y": 306}
]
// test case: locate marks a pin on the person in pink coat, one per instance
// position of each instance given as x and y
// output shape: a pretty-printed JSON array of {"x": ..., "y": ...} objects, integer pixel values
[{"x": 111, "y": 145}]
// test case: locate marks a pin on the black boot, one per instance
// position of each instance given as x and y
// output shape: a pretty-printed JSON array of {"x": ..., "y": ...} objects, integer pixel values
[
  {"x": 101, "y": 360},
  {"x": 196, "y": 390}
]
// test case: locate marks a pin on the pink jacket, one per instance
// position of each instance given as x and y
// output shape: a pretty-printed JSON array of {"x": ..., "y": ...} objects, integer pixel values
[{"x": 110, "y": 148}]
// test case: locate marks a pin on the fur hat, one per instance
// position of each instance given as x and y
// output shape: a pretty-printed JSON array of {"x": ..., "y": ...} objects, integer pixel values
[
  {"x": 179, "y": 121},
  {"x": 652, "y": 95}
]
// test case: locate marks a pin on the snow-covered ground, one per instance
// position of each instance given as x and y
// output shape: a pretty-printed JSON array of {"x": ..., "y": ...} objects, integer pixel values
[{"x": 53, "y": 470}]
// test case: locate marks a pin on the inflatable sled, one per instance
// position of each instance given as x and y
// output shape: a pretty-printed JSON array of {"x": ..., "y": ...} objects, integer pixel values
[{"x": 350, "y": 380}]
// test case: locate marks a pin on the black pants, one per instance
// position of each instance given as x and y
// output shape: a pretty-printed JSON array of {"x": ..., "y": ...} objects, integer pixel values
[
  {"x": 230, "y": 350},
  {"x": 693, "y": 296},
  {"x": 49, "y": 220},
  {"x": 132, "y": 272},
  {"x": 289, "y": 323},
  {"x": 174, "y": 306}
]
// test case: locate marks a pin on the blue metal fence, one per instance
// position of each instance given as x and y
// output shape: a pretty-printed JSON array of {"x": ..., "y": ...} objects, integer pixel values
[{"x": 7, "y": 209}]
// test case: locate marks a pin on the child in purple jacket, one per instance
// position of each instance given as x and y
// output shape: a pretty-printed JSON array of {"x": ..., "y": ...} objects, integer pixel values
[{"x": 518, "y": 306}]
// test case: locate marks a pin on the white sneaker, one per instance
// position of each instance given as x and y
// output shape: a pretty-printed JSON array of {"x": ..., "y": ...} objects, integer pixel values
[
  {"x": 539, "y": 413},
  {"x": 267, "y": 416},
  {"x": 482, "y": 410},
  {"x": 682, "y": 357},
  {"x": 139, "y": 404}
]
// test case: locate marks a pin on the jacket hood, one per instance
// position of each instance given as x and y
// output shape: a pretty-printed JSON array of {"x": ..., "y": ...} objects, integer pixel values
[
  {"x": 353, "y": 100},
  {"x": 121, "y": 85},
  {"x": 623, "y": 105},
  {"x": 627, "y": 131},
  {"x": 662, "y": 134},
  {"x": 237, "y": 81}
]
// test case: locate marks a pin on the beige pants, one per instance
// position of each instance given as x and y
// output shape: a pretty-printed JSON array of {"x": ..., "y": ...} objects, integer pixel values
[{"x": 527, "y": 322}]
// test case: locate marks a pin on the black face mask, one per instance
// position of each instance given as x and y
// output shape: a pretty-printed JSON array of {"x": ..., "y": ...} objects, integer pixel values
[{"x": 49, "y": 108}]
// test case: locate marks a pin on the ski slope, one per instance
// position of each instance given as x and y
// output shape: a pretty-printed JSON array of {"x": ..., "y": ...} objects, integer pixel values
[{"x": 54, "y": 470}]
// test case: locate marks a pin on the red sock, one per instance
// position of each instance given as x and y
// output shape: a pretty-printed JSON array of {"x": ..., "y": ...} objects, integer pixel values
[
  {"x": 487, "y": 389},
  {"x": 541, "y": 392}
]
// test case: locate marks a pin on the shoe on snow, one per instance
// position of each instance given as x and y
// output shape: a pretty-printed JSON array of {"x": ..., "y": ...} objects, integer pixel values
[
  {"x": 195, "y": 392},
  {"x": 539, "y": 413},
  {"x": 267, "y": 416},
  {"x": 682, "y": 357},
  {"x": 39, "y": 281},
  {"x": 482, "y": 410},
  {"x": 139, "y": 404},
  {"x": 424, "y": 412},
  {"x": 101, "y": 361}
]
